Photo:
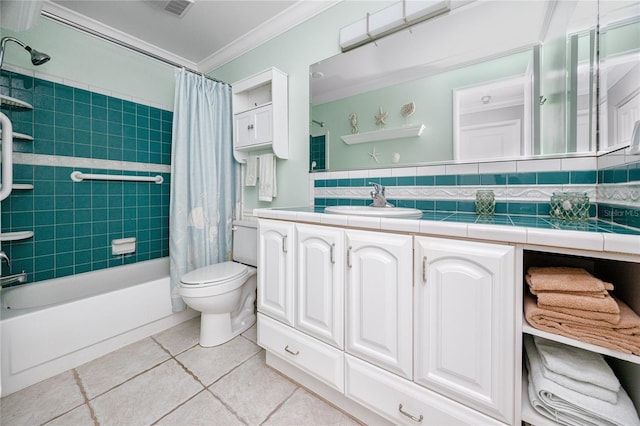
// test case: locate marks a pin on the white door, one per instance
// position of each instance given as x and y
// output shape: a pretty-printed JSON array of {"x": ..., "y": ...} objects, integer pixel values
[
  {"x": 464, "y": 328},
  {"x": 378, "y": 312},
  {"x": 320, "y": 283},
  {"x": 243, "y": 130},
  {"x": 276, "y": 269}
]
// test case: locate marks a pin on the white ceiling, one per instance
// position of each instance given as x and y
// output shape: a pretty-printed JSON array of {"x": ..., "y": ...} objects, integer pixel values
[{"x": 209, "y": 34}]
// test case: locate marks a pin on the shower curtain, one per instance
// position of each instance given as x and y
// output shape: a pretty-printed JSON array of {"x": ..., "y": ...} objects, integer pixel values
[{"x": 204, "y": 177}]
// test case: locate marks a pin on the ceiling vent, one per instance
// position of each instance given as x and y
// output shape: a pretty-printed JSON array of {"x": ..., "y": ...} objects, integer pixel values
[{"x": 178, "y": 7}]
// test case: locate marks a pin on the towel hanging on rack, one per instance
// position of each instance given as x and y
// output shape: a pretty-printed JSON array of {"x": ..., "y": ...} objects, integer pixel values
[
  {"x": 251, "y": 174},
  {"x": 267, "y": 187}
]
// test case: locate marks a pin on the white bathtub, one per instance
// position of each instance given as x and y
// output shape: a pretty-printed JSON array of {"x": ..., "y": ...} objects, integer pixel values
[{"x": 51, "y": 326}]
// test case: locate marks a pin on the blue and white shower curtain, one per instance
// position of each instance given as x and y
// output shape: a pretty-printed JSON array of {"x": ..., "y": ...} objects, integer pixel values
[{"x": 204, "y": 177}]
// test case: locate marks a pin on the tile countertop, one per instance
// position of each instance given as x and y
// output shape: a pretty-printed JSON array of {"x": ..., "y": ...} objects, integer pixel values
[{"x": 595, "y": 235}]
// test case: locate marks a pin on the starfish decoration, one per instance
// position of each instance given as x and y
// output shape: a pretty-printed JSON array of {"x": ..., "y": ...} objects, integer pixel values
[
  {"x": 373, "y": 155},
  {"x": 380, "y": 117}
]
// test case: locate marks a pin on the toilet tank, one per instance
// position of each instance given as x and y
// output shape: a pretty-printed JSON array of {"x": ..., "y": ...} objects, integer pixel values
[{"x": 245, "y": 242}]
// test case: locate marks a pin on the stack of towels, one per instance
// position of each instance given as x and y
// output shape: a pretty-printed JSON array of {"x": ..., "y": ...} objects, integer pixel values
[
  {"x": 574, "y": 303},
  {"x": 573, "y": 386}
]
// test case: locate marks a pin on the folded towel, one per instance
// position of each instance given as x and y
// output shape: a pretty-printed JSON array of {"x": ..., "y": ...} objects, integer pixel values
[
  {"x": 623, "y": 336},
  {"x": 563, "y": 279},
  {"x": 267, "y": 188},
  {"x": 251, "y": 172},
  {"x": 594, "y": 294},
  {"x": 585, "y": 303},
  {"x": 578, "y": 369},
  {"x": 600, "y": 316},
  {"x": 570, "y": 407}
]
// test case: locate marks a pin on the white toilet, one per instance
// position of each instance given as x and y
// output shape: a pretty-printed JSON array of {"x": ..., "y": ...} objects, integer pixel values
[{"x": 225, "y": 293}]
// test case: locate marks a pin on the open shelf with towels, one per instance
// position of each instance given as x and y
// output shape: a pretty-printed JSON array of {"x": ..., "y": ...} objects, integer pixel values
[{"x": 622, "y": 271}]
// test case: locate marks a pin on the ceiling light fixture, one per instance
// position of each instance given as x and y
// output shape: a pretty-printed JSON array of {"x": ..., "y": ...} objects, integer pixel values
[
  {"x": 178, "y": 7},
  {"x": 389, "y": 20}
]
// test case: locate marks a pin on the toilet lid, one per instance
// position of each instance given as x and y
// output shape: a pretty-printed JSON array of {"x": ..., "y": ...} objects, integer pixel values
[{"x": 219, "y": 272}]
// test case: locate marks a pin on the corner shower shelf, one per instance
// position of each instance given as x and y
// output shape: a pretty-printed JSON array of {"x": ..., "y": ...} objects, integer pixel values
[
  {"x": 16, "y": 236},
  {"x": 13, "y": 102},
  {"x": 20, "y": 136},
  {"x": 26, "y": 186},
  {"x": 384, "y": 134}
]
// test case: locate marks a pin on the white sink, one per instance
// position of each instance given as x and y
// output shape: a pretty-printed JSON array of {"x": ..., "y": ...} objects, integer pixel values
[{"x": 396, "y": 212}]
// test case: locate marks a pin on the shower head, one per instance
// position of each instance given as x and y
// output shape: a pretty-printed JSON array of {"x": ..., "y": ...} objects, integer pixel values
[
  {"x": 37, "y": 58},
  {"x": 319, "y": 123}
]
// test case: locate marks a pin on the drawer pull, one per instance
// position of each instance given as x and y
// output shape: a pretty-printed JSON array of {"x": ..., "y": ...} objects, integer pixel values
[
  {"x": 286, "y": 348},
  {"x": 404, "y": 413}
]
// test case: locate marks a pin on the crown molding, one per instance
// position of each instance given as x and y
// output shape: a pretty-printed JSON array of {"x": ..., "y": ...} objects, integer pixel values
[
  {"x": 279, "y": 24},
  {"x": 108, "y": 33}
]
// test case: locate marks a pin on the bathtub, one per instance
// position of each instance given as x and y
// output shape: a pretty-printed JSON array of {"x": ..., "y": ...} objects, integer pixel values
[{"x": 51, "y": 326}]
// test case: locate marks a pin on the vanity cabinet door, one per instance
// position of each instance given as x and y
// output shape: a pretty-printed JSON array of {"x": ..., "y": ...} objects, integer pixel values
[
  {"x": 276, "y": 269},
  {"x": 320, "y": 283},
  {"x": 378, "y": 311},
  {"x": 465, "y": 323}
]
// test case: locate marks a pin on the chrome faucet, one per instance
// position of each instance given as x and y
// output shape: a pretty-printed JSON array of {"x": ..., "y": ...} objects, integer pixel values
[
  {"x": 377, "y": 194},
  {"x": 4, "y": 257}
]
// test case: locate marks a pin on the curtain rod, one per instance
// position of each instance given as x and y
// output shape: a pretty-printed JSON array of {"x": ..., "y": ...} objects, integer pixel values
[{"x": 121, "y": 43}]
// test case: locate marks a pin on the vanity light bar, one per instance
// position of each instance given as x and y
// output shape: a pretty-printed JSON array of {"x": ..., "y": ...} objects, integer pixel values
[{"x": 389, "y": 20}]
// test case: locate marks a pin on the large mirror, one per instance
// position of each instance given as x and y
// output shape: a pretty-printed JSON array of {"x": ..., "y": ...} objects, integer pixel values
[{"x": 487, "y": 80}]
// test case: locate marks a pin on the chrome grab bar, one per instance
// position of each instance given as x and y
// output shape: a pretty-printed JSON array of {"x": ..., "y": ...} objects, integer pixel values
[{"x": 11, "y": 280}]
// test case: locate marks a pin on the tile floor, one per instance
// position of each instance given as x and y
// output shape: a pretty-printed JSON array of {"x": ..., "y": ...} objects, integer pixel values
[{"x": 168, "y": 379}]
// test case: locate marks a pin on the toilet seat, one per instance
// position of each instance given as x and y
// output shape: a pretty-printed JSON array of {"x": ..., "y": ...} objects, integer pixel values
[{"x": 218, "y": 275}]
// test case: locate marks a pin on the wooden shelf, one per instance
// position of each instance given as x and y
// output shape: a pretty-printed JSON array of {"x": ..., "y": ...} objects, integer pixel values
[
  {"x": 526, "y": 328},
  {"x": 16, "y": 236},
  {"x": 384, "y": 134},
  {"x": 13, "y": 102}
]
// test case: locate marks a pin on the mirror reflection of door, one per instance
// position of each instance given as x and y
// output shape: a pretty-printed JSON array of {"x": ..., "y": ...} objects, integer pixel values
[{"x": 493, "y": 120}]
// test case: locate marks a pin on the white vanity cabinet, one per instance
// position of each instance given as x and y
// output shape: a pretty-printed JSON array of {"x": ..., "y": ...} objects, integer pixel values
[
  {"x": 464, "y": 310},
  {"x": 379, "y": 294},
  {"x": 276, "y": 266},
  {"x": 320, "y": 283}
]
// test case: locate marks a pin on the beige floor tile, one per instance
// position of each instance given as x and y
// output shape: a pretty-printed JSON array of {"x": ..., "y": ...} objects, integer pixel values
[
  {"x": 41, "y": 402},
  {"x": 306, "y": 409},
  {"x": 209, "y": 364},
  {"x": 80, "y": 416},
  {"x": 253, "y": 390},
  {"x": 106, "y": 372},
  {"x": 203, "y": 409},
  {"x": 181, "y": 337},
  {"x": 147, "y": 397},
  {"x": 252, "y": 333}
]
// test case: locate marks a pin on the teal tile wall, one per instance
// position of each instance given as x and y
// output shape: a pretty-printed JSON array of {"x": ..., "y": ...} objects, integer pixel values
[
  {"x": 74, "y": 223},
  {"x": 464, "y": 206},
  {"x": 619, "y": 176}
]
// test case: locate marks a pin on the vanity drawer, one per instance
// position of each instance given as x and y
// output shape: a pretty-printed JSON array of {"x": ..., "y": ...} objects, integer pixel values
[
  {"x": 402, "y": 401},
  {"x": 308, "y": 354}
]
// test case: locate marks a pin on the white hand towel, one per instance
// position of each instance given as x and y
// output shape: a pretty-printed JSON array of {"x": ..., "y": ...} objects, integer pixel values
[
  {"x": 576, "y": 363},
  {"x": 251, "y": 172},
  {"x": 573, "y": 408},
  {"x": 267, "y": 188}
]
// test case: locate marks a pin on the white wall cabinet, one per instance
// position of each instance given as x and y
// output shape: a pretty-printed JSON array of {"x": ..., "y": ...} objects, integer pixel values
[
  {"x": 464, "y": 322},
  {"x": 320, "y": 283},
  {"x": 275, "y": 262},
  {"x": 261, "y": 114},
  {"x": 379, "y": 287},
  {"x": 253, "y": 127}
]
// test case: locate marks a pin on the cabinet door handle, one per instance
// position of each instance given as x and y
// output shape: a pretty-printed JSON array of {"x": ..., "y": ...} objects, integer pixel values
[
  {"x": 284, "y": 243},
  {"x": 349, "y": 257},
  {"x": 333, "y": 259},
  {"x": 414, "y": 418},
  {"x": 286, "y": 348},
  {"x": 424, "y": 269}
]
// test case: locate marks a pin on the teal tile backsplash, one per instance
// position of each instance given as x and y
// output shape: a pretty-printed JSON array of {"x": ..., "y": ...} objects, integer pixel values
[{"x": 74, "y": 223}]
